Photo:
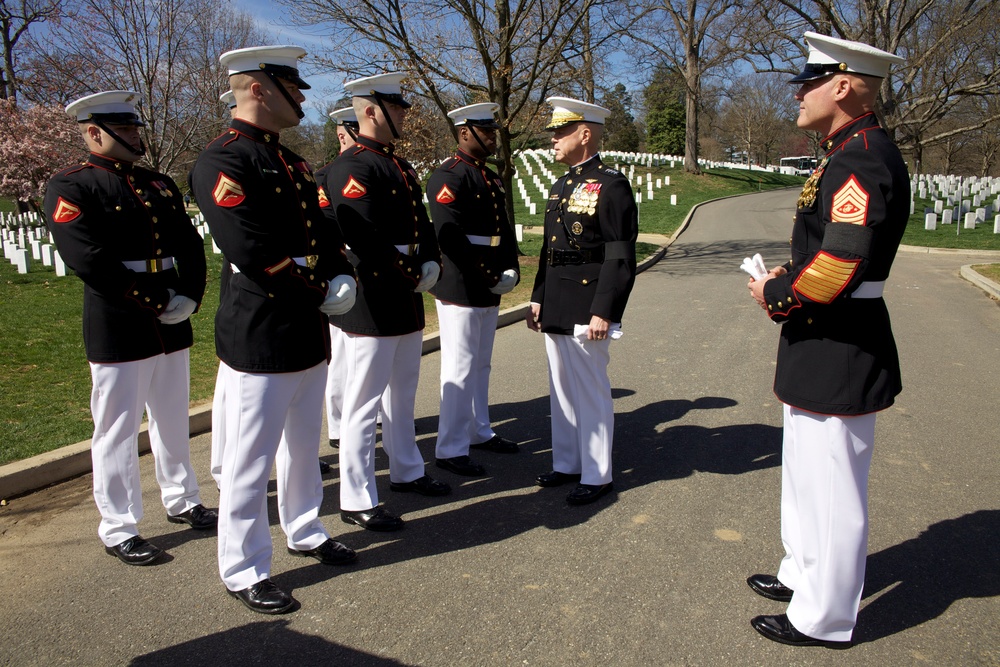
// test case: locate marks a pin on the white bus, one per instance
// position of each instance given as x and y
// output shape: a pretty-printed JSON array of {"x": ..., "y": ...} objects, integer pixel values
[{"x": 802, "y": 165}]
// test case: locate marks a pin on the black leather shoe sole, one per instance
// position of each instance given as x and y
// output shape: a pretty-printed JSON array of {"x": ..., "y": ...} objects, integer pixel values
[
  {"x": 498, "y": 445},
  {"x": 768, "y": 586},
  {"x": 324, "y": 467},
  {"x": 432, "y": 488},
  {"x": 555, "y": 478},
  {"x": 328, "y": 553},
  {"x": 197, "y": 518},
  {"x": 779, "y": 629},
  {"x": 584, "y": 494},
  {"x": 465, "y": 469},
  {"x": 381, "y": 522},
  {"x": 261, "y": 608}
]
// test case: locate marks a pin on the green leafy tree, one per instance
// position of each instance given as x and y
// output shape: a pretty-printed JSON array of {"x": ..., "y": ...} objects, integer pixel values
[
  {"x": 666, "y": 119},
  {"x": 620, "y": 131}
]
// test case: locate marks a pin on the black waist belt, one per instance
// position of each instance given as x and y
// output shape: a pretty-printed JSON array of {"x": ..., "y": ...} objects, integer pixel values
[{"x": 563, "y": 257}]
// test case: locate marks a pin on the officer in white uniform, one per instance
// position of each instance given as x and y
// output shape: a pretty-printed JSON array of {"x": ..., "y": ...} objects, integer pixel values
[
  {"x": 469, "y": 209},
  {"x": 377, "y": 202},
  {"x": 585, "y": 275},
  {"x": 837, "y": 361},
  {"x": 285, "y": 273},
  {"x": 123, "y": 230}
]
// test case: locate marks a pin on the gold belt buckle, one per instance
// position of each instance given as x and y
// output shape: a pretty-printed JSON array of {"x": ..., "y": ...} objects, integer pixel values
[
  {"x": 311, "y": 261},
  {"x": 494, "y": 241},
  {"x": 154, "y": 265}
]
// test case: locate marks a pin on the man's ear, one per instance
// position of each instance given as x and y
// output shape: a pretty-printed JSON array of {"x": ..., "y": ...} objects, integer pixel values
[{"x": 94, "y": 133}]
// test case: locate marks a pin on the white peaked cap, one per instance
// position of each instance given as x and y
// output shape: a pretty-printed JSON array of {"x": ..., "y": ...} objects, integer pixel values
[{"x": 566, "y": 110}]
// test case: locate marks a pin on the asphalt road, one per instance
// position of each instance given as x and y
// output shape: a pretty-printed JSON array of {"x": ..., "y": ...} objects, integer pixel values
[{"x": 504, "y": 573}]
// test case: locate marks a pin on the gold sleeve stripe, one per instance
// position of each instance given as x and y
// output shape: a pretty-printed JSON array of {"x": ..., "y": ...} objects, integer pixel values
[
  {"x": 279, "y": 266},
  {"x": 825, "y": 277},
  {"x": 850, "y": 203}
]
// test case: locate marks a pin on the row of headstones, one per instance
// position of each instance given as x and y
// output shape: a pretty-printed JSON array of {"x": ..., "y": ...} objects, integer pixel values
[
  {"x": 19, "y": 220},
  {"x": 957, "y": 199},
  {"x": 24, "y": 245}
]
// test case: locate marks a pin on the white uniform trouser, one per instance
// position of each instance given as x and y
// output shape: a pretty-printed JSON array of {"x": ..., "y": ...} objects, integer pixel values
[
  {"x": 120, "y": 391},
  {"x": 218, "y": 425},
  {"x": 270, "y": 418},
  {"x": 385, "y": 368},
  {"x": 824, "y": 519},
  {"x": 583, "y": 418},
  {"x": 467, "y": 334},
  {"x": 336, "y": 382}
]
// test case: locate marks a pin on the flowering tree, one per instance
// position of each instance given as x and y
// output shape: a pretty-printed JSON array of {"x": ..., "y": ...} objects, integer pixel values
[{"x": 34, "y": 142}]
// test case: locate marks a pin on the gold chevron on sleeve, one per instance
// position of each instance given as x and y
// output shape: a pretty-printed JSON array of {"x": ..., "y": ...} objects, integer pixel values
[{"x": 825, "y": 277}]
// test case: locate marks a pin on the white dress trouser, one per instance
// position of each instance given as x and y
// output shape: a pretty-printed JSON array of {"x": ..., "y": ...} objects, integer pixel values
[
  {"x": 467, "y": 334},
  {"x": 270, "y": 418},
  {"x": 218, "y": 425},
  {"x": 336, "y": 381},
  {"x": 161, "y": 385},
  {"x": 583, "y": 418},
  {"x": 385, "y": 368},
  {"x": 824, "y": 519}
]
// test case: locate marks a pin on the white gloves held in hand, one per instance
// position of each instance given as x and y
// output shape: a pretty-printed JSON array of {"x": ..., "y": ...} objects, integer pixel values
[
  {"x": 508, "y": 279},
  {"x": 429, "y": 272},
  {"x": 178, "y": 309},
  {"x": 340, "y": 296}
]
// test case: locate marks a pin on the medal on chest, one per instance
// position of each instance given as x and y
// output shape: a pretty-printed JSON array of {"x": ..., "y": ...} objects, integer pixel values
[
  {"x": 583, "y": 199},
  {"x": 808, "y": 196}
]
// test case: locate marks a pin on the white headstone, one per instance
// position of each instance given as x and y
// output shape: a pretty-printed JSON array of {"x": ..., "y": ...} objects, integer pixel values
[
  {"x": 59, "y": 264},
  {"x": 970, "y": 220},
  {"x": 930, "y": 222},
  {"x": 531, "y": 209},
  {"x": 938, "y": 206},
  {"x": 996, "y": 224},
  {"x": 23, "y": 260},
  {"x": 638, "y": 197},
  {"x": 47, "y": 254},
  {"x": 519, "y": 232},
  {"x": 36, "y": 248},
  {"x": 673, "y": 200},
  {"x": 215, "y": 248},
  {"x": 946, "y": 216},
  {"x": 980, "y": 215}
]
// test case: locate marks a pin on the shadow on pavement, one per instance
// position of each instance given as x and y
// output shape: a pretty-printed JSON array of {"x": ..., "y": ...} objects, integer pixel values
[
  {"x": 262, "y": 643},
  {"x": 719, "y": 257},
  {"x": 949, "y": 561}
]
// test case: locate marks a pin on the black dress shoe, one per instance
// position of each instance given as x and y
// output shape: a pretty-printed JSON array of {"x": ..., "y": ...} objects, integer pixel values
[
  {"x": 373, "y": 519},
  {"x": 768, "y": 586},
  {"x": 264, "y": 598},
  {"x": 330, "y": 552},
  {"x": 135, "y": 551},
  {"x": 779, "y": 629},
  {"x": 335, "y": 443},
  {"x": 425, "y": 486},
  {"x": 498, "y": 445},
  {"x": 197, "y": 517},
  {"x": 461, "y": 465},
  {"x": 556, "y": 478},
  {"x": 324, "y": 467},
  {"x": 584, "y": 494}
]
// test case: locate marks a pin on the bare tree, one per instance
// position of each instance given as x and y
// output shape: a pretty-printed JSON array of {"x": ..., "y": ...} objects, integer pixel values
[
  {"x": 15, "y": 20},
  {"x": 952, "y": 51},
  {"x": 757, "y": 115},
  {"x": 166, "y": 50},
  {"x": 465, "y": 50},
  {"x": 693, "y": 37}
]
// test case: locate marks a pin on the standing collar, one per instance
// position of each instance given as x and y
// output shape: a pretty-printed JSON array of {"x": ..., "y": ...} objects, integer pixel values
[
  {"x": 465, "y": 157},
  {"x": 589, "y": 164},
  {"x": 375, "y": 145},
  {"x": 111, "y": 164},
  {"x": 256, "y": 133},
  {"x": 839, "y": 136}
]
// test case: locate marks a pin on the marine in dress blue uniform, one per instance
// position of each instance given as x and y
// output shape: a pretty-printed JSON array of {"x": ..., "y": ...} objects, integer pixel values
[
  {"x": 377, "y": 203},
  {"x": 585, "y": 275},
  {"x": 837, "y": 361},
  {"x": 468, "y": 207},
  {"x": 336, "y": 376},
  {"x": 285, "y": 271},
  {"x": 123, "y": 230}
]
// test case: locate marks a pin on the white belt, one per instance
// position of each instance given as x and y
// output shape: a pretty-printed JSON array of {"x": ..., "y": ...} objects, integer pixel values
[
  {"x": 869, "y": 290},
  {"x": 405, "y": 249},
  {"x": 301, "y": 261},
  {"x": 492, "y": 241},
  {"x": 149, "y": 265}
]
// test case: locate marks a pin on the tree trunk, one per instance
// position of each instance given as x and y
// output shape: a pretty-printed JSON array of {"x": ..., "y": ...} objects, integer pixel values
[
  {"x": 692, "y": 77},
  {"x": 588, "y": 58}
]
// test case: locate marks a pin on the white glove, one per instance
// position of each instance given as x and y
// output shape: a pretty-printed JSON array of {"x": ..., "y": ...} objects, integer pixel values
[
  {"x": 340, "y": 296},
  {"x": 178, "y": 309},
  {"x": 507, "y": 281},
  {"x": 755, "y": 267},
  {"x": 430, "y": 272}
]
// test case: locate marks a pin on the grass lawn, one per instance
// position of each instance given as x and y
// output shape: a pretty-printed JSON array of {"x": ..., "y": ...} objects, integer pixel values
[
  {"x": 991, "y": 271},
  {"x": 948, "y": 236}
]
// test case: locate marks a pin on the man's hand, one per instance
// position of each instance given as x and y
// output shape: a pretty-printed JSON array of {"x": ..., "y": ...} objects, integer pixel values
[
  {"x": 598, "y": 329},
  {"x": 757, "y": 286},
  {"x": 531, "y": 317}
]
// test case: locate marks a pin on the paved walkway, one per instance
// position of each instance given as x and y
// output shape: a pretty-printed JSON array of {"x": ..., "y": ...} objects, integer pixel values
[{"x": 505, "y": 573}]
